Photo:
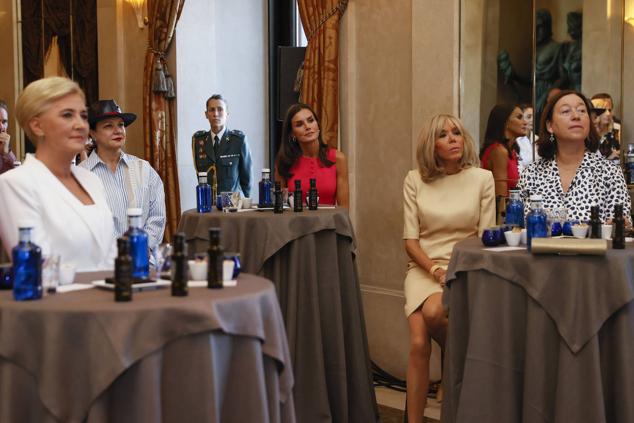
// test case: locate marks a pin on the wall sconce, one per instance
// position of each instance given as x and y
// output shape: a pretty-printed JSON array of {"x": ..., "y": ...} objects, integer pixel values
[
  {"x": 629, "y": 20},
  {"x": 138, "y": 6}
]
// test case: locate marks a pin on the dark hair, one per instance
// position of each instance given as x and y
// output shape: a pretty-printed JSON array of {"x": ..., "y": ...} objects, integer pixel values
[
  {"x": 496, "y": 125},
  {"x": 3, "y": 105},
  {"x": 545, "y": 147},
  {"x": 216, "y": 97},
  {"x": 524, "y": 106},
  {"x": 289, "y": 150},
  {"x": 603, "y": 96}
]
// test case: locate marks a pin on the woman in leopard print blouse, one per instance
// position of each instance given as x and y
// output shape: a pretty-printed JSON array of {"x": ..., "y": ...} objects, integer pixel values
[{"x": 570, "y": 174}]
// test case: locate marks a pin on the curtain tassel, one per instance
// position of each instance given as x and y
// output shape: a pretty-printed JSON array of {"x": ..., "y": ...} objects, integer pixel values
[
  {"x": 158, "y": 81},
  {"x": 170, "y": 93}
]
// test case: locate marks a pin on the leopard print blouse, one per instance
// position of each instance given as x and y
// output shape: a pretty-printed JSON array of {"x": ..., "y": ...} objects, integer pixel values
[{"x": 598, "y": 181}]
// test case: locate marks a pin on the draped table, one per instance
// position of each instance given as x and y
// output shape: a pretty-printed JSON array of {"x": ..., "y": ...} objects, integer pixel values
[
  {"x": 309, "y": 256},
  {"x": 539, "y": 338},
  {"x": 214, "y": 356}
]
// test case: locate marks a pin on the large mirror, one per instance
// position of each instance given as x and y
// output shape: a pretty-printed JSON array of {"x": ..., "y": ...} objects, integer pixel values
[{"x": 514, "y": 51}]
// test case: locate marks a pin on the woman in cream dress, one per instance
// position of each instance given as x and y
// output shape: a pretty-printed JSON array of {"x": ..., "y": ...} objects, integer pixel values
[{"x": 447, "y": 199}]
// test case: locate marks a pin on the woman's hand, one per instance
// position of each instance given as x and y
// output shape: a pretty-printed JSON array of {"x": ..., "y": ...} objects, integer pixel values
[
  {"x": 440, "y": 275},
  {"x": 4, "y": 143}
]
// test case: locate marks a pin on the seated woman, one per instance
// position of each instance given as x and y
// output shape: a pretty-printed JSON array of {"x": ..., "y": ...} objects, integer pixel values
[
  {"x": 66, "y": 204},
  {"x": 303, "y": 155},
  {"x": 609, "y": 145},
  {"x": 7, "y": 158},
  {"x": 500, "y": 150},
  {"x": 128, "y": 180},
  {"x": 447, "y": 199},
  {"x": 570, "y": 174}
]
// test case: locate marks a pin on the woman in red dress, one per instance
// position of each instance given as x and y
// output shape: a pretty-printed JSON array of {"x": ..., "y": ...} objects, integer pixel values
[
  {"x": 499, "y": 153},
  {"x": 303, "y": 155}
]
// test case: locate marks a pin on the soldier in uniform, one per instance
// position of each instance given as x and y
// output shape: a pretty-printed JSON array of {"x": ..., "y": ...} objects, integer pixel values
[{"x": 223, "y": 153}]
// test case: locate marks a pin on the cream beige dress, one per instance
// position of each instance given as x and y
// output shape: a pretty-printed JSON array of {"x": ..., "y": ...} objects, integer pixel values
[{"x": 439, "y": 214}]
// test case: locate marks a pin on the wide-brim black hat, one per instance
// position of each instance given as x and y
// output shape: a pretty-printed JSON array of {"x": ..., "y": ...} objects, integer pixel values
[{"x": 106, "y": 109}]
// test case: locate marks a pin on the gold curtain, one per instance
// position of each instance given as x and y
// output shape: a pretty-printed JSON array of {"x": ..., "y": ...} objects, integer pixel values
[
  {"x": 158, "y": 104},
  {"x": 320, "y": 83}
]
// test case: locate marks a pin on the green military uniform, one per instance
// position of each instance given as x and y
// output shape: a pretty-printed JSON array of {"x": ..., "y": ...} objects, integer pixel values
[{"x": 231, "y": 160}]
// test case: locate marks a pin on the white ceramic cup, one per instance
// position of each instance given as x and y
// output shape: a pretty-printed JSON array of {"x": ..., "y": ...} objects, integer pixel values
[
  {"x": 580, "y": 231},
  {"x": 606, "y": 231},
  {"x": 513, "y": 238},
  {"x": 246, "y": 203},
  {"x": 66, "y": 273},
  {"x": 197, "y": 270},
  {"x": 227, "y": 270},
  {"x": 523, "y": 236}
]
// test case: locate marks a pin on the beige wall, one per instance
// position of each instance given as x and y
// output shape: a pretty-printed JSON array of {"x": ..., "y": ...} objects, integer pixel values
[
  {"x": 399, "y": 67},
  {"x": 8, "y": 68},
  {"x": 121, "y": 60}
]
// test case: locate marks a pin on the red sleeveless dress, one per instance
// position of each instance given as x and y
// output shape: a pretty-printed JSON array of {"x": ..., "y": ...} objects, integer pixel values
[
  {"x": 306, "y": 168},
  {"x": 512, "y": 169}
]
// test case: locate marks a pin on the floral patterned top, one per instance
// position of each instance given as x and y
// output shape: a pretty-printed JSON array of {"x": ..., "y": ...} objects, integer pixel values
[{"x": 598, "y": 181}]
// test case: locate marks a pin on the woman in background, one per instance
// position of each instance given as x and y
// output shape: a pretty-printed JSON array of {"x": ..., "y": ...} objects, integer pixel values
[
  {"x": 500, "y": 150},
  {"x": 304, "y": 155},
  {"x": 447, "y": 199},
  {"x": 65, "y": 203},
  {"x": 571, "y": 175},
  {"x": 7, "y": 158}
]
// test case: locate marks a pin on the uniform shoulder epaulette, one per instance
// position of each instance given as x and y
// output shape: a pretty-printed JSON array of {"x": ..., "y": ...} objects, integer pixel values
[
  {"x": 199, "y": 134},
  {"x": 236, "y": 132}
]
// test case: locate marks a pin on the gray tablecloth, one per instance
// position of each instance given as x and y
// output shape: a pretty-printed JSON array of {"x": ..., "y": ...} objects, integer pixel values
[
  {"x": 539, "y": 338},
  {"x": 309, "y": 256},
  {"x": 214, "y": 356}
]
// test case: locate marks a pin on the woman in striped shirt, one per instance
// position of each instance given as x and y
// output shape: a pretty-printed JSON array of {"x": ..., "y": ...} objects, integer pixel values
[{"x": 129, "y": 181}]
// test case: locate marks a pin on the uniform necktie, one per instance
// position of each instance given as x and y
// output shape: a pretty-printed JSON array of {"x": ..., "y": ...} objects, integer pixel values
[{"x": 216, "y": 143}]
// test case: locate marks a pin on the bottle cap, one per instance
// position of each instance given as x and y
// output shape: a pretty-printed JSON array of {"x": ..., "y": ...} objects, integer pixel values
[
  {"x": 536, "y": 197},
  {"x": 25, "y": 224},
  {"x": 298, "y": 184},
  {"x": 202, "y": 174},
  {"x": 123, "y": 245},
  {"x": 134, "y": 212},
  {"x": 214, "y": 233},
  {"x": 266, "y": 170}
]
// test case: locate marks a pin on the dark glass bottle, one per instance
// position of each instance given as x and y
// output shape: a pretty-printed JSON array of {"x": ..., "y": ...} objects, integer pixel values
[
  {"x": 215, "y": 257},
  {"x": 312, "y": 195},
  {"x": 179, "y": 266},
  {"x": 123, "y": 271},
  {"x": 279, "y": 200},
  {"x": 138, "y": 246},
  {"x": 618, "y": 238},
  {"x": 265, "y": 187},
  {"x": 27, "y": 266},
  {"x": 297, "y": 197},
  {"x": 595, "y": 222},
  {"x": 203, "y": 194}
]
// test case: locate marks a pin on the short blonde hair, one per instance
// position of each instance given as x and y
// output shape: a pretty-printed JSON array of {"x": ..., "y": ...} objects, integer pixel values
[
  {"x": 38, "y": 96},
  {"x": 429, "y": 166}
]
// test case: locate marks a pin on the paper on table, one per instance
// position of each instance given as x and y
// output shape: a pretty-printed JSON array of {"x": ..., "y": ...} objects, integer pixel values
[
  {"x": 502, "y": 249},
  {"x": 203, "y": 284},
  {"x": 73, "y": 287}
]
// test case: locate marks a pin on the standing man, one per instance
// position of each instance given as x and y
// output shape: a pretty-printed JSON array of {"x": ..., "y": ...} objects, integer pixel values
[
  {"x": 226, "y": 149},
  {"x": 7, "y": 158}
]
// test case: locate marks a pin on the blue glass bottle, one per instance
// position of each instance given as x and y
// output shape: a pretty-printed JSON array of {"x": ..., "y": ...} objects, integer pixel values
[
  {"x": 203, "y": 194},
  {"x": 265, "y": 186},
  {"x": 515, "y": 210},
  {"x": 536, "y": 220},
  {"x": 139, "y": 250},
  {"x": 27, "y": 266}
]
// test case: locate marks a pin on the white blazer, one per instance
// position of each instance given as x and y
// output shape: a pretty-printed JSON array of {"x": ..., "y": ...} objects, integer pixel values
[{"x": 82, "y": 235}]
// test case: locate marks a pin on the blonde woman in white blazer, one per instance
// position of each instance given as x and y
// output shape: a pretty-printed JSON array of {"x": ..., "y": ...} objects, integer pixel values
[{"x": 66, "y": 203}]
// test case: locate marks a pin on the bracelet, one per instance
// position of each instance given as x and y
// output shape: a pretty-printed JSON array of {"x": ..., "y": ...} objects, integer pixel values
[{"x": 433, "y": 269}]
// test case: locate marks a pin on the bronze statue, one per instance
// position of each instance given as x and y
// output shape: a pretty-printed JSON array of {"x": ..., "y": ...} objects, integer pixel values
[
  {"x": 549, "y": 69},
  {"x": 572, "y": 52}
]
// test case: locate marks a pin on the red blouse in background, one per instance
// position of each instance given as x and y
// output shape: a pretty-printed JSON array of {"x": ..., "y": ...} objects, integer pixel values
[
  {"x": 512, "y": 169},
  {"x": 311, "y": 167}
]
